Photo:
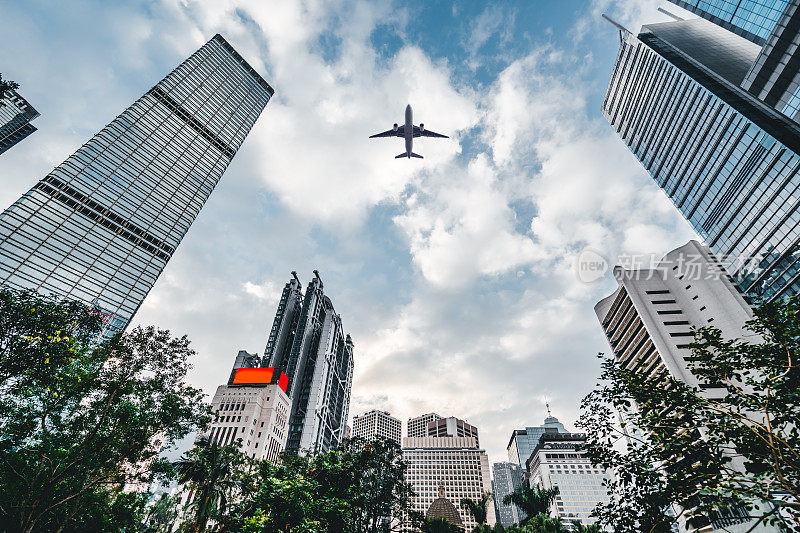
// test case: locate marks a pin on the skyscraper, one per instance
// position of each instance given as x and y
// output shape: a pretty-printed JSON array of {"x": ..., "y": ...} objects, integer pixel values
[
  {"x": 15, "y": 119},
  {"x": 103, "y": 224},
  {"x": 523, "y": 441},
  {"x": 752, "y": 19},
  {"x": 648, "y": 320},
  {"x": 308, "y": 343},
  {"x": 452, "y": 427},
  {"x": 376, "y": 423},
  {"x": 455, "y": 464},
  {"x": 682, "y": 98},
  {"x": 418, "y": 426},
  {"x": 251, "y": 409},
  {"x": 508, "y": 477},
  {"x": 559, "y": 461}
]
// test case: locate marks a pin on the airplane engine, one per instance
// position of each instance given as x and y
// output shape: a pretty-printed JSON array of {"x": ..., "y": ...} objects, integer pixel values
[
  {"x": 421, "y": 126},
  {"x": 395, "y": 126}
]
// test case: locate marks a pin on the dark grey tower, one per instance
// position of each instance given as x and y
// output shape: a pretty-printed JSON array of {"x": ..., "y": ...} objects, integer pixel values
[
  {"x": 15, "y": 119},
  {"x": 308, "y": 343},
  {"x": 727, "y": 159},
  {"x": 102, "y": 225}
]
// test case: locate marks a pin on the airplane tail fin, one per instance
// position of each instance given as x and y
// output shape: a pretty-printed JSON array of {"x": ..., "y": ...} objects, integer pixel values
[
  {"x": 400, "y": 155},
  {"x": 404, "y": 154},
  {"x": 416, "y": 155}
]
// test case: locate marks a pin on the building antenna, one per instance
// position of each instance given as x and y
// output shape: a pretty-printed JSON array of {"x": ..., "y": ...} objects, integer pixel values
[
  {"x": 623, "y": 31},
  {"x": 548, "y": 409},
  {"x": 672, "y": 15}
]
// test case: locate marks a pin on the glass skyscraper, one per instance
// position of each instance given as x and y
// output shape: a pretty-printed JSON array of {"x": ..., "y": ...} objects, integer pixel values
[
  {"x": 103, "y": 224},
  {"x": 307, "y": 342},
  {"x": 15, "y": 119},
  {"x": 727, "y": 160},
  {"x": 752, "y": 19}
]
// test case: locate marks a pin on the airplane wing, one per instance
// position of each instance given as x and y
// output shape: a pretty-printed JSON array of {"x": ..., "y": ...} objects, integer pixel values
[
  {"x": 400, "y": 132},
  {"x": 427, "y": 133}
]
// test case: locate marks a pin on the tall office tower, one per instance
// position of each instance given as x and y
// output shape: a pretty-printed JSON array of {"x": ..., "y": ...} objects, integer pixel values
[
  {"x": 452, "y": 427},
  {"x": 648, "y": 320},
  {"x": 752, "y": 19},
  {"x": 559, "y": 461},
  {"x": 418, "y": 426},
  {"x": 102, "y": 225},
  {"x": 308, "y": 343},
  {"x": 252, "y": 409},
  {"x": 15, "y": 119},
  {"x": 375, "y": 424},
  {"x": 508, "y": 478},
  {"x": 523, "y": 441},
  {"x": 727, "y": 159},
  {"x": 456, "y": 464}
]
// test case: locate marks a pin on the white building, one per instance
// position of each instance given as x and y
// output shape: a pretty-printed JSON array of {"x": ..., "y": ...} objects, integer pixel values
[
  {"x": 418, "y": 426},
  {"x": 648, "y": 322},
  {"x": 377, "y": 423},
  {"x": 253, "y": 409},
  {"x": 457, "y": 463},
  {"x": 556, "y": 462}
]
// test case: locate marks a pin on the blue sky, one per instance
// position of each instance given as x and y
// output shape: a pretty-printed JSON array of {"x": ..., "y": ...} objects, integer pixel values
[{"x": 454, "y": 274}]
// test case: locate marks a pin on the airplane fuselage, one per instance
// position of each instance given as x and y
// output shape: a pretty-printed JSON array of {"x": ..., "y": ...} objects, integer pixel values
[{"x": 409, "y": 132}]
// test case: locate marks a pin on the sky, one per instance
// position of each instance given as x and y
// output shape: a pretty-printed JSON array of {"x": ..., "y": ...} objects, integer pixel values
[{"x": 454, "y": 274}]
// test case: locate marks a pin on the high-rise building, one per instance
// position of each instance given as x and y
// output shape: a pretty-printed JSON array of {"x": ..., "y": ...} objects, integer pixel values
[
  {"x": 16, "y": 115},
  {"x": 377, "y": 424},
  {"x": 252, "y": 409},
  {"x": 418, "y": 426},
  {"x": 559, "y": 461},
  {"x": 752, "y": 19},
  {"x": 455, "y": 464},
  {"x": 688, "y": 98},
  {"x": 523, "y": 441},
  {"x": 452, "y": 427},
  {"x": 308, "y": 343},
  {"x": 648, "y": 320},
  {"x": 508, "y": 477},
  {"x": 101, "y": 227}
]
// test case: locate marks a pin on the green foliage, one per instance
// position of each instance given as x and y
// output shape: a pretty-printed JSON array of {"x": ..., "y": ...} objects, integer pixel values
[
  {"x": 78, "y": 411},
  {"x": 6, "y": 86},
  {"x": 533, "y": 501},
  {"x": 478, "y": 509},
  {"x": 214, "y": 475},
  {"x": 439, "y": 525},
  {"x": 747, "y": 411}
]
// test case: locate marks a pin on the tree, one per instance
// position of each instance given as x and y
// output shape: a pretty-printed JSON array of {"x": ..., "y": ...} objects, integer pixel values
[
  {"x": 162, "y": 515},
  {"x": 580, "y": 528},
  {"x": 723, "y": 447},
  {"x": 5, "y": 87},
  {"x": 477, "y": 509},
  {"x": 77, "y": 411},
  {"x": 439, "y": 525},
  {"x": 543, "y": 523},
  {"x": 214, "y": 474},
  {"x": 532, "y": 501}
]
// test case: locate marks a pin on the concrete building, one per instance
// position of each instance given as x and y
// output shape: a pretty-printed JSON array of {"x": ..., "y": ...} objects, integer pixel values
[
  {"x": 557, "y": 461},
  {"x": 648, "y": 319},
  {"x": 375, "y": 423},
  {"x": 418, "y": 426},
  {"x": 102, "y": 225},
  {"x": 508, "y": 477},
  {"x": 16, "y": 115},
  {"x": 452, "y": 427},
  {"x": 523, "y": 441},
  {"x": 712, "y": 115},
  {"x": 455, "y": 464},
  {"x": 307, "y": 341},
  {"x": 252, "y": 409}
]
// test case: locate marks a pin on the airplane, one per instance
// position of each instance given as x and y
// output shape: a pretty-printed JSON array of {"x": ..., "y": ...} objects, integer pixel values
[{"x": 409, "y": 131}]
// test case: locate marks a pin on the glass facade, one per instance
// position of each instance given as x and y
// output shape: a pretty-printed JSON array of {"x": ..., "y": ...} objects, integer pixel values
[
  {"x": 752, "y": 19},
  {"x": 15, "y": 119},
  {"x": 307, "y": 341},
  {"x": 728, "y": 163},
  {"x": 103, "y": 224}
]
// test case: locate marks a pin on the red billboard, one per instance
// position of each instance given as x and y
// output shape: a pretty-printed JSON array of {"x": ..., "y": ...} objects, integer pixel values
[{"x": 259, "y": 376}]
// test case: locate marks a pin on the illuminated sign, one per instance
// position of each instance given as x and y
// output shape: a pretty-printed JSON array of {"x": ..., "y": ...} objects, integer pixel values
[{"x": 259, "y": 376}]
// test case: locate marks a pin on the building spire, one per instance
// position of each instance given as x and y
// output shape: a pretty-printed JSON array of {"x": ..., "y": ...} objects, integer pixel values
[{"x": 548, "y": 409}]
